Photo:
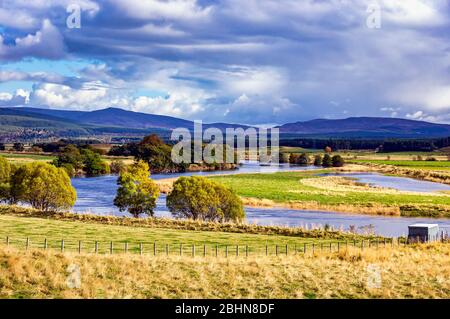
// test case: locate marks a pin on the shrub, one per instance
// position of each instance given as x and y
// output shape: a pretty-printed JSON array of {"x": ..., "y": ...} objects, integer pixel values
[
  {"x": 43, "y": 186},
  {"x": 318, "y": 160},
  {"x": 5, "y": 174},
  {"x": 117, "y": 167},
  {"x": 431, "y": 159},
  {"x": 327, "y": 149},
  {"x": 137, "y": 193},
  {"x": 201, "y": 199},
  {"x": 337, "y": 161},
  {"x": 327, "y": 161}
]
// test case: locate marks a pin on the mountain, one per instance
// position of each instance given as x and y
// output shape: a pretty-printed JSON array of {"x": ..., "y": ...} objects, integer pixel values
[
  {"x": 366, "y": 127},
  {"x": 28, "y": 122},
  {"x": 37, "y": 122}
]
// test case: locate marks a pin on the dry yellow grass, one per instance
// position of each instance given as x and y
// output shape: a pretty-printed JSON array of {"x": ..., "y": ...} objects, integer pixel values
[{"x": 399, "y": 272}]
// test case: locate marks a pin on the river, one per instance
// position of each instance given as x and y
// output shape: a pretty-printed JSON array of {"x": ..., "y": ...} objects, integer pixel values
[{"x": 96, "y": 195}]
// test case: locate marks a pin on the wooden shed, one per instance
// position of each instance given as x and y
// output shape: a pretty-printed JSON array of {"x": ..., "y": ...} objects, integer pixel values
[{"x": 423, "y": 232}]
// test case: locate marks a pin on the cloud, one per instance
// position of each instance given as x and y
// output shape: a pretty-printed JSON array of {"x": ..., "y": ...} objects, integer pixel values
[
  {"x": 45, "y": 43},
  {"x": 242, "y": 61}
]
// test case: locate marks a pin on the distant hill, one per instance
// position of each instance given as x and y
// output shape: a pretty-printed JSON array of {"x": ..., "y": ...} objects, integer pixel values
[
  {"x": 79, "y": 123},
  {"x": 366, "y": 127},
  {"x": 37, "y": 122}
]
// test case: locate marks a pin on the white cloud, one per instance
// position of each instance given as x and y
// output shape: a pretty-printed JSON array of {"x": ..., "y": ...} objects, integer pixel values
[{"x": 45, "y": 43}]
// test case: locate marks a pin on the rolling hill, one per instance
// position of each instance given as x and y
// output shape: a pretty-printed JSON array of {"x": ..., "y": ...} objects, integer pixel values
[
  {"x": 60, "y": 123},
  {"x": 378, "y": 127}
]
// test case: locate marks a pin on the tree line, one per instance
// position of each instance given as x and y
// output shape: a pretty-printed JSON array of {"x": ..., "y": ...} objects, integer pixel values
[{"x": 381, "y": 145}]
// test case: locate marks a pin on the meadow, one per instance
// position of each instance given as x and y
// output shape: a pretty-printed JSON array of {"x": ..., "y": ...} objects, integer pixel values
[
  {"x": 426, "y": 165},
  {"x": 307, "y": 190},
  {"x": 17, "y": 224},
  {"x": 399, "y": 272}
]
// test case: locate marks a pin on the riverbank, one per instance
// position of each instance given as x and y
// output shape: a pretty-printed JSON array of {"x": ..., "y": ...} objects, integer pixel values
[
  {"x": 398, "y": 272},
  {"x": 310, "y": 191},
  {"x": 16, "y": 220}
]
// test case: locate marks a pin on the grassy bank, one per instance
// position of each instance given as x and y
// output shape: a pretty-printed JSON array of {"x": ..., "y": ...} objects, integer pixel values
[
  {"x": 425, "y": 165},
  {"x": 387, "y": 273},
  {"x": 17, "y": 224},
  {"x": 307, "y": 190}
]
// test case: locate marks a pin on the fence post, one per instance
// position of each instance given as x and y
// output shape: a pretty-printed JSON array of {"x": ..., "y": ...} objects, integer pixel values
[
  {"x": 226, "y": 251},
  {"x": 313, "y": 248},
  {"x": 7, "y": 240},
  {"x": 362, "y": 245},
  {"x": 181, "y": 249},
  {"x": 286, "y": 250},
  {"x": 79, "y": 246},
  {"x": 330, "y": 247},
  {"x": 96, "y": 247},
  {"x": 141, "y": 249},
  {"x": 295, "y": 249},
  {"x": 354, "y": 243},
  {"x": 154, "y": 248},
  {"x": 237, "y": 250},
  {"x": 45, "y": 244},
  {"x": 111, "y": 248},
  {"x": 304, "y": 248},
  {"x": 276, "y": 250},
  {"x": 126, "y": 247},
  {"x": 28, "y": 243},
  {"x": 267, "y": 250},
  {"x": 369, "y": 243},
  {"x": 246, "y": 250},
  {"x": 338, "y": 247},
  {"x": 217, "y": 250},
  {"x": 193, "y": 250},
  {"x": 167, "y": 249},
  {"x": 204, "y": 250},
  {"x": 62, "y": 245}
]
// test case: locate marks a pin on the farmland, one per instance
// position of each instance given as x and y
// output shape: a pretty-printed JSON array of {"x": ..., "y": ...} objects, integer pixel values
[{"x": 398, "y": 272}]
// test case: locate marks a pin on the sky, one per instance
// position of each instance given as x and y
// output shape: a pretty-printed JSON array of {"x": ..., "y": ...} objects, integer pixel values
[{"x": 252, "y": 62}]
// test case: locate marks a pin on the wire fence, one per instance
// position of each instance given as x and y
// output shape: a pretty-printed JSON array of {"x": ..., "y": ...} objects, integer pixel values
[{"x": 195, "y": 249}]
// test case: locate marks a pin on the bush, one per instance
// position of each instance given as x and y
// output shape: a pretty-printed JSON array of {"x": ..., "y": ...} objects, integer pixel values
[
  {"x": 327, "y": 161},
  {"x": 117, "y": 167},
  {"x": 318, "y": 160},
  {"x": 338, "y": 161},
  {"x": 137, "y": 193},
  {"x": 201, "y": 199},
  {"x": 43, "y": 186},
  {"x": 431, "y": 159},
  {"x": 5, "y": 175}
]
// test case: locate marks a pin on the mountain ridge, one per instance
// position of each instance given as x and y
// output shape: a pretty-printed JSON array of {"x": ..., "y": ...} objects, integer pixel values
[{"x": 117, "y": 120}]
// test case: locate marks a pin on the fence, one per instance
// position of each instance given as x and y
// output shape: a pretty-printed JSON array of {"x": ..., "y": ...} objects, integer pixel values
[{"x": 194, "y": 249}]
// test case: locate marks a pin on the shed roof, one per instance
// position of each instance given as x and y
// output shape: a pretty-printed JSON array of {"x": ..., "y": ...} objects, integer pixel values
[{"x": 424, "y": 225}]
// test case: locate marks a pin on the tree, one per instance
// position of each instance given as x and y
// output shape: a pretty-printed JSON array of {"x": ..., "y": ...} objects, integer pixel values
[
  {"x": 5, "y": 175},
  {"x": 327, "y": 149},
  {"x": 327, "y": 161},
  {"x": 157, "y": 154},
  {"x": 93, "y": 164},
  {"x": 70, "y": 155},
  {"x": 19, "y": 147},
  {"x": 318, "y": 160},
  {"x": 137, "y": 193},
  {"x": 199, "y": 198},
  {"x": 337, "y": 161},
  {"x": 303, "y": 159},
  {"x": 43, "y": 186}
]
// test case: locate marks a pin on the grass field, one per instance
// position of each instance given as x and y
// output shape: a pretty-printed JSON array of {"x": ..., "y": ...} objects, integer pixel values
[
  {"x": 399, "y": 272},
  {"x": 295, "y": 187},
  {"x": 427, "y": 165},
  {"x": 26, "y": 158},
  {"x": 18, "y": 228}
]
